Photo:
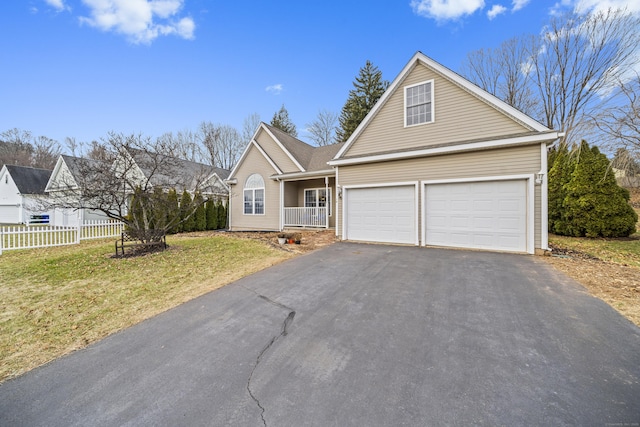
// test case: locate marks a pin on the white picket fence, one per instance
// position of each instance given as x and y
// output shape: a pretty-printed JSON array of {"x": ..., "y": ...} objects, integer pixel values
[{"x": 28, "y": 237}]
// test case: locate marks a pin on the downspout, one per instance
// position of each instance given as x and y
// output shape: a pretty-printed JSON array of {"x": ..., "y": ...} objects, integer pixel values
[
  {"x": 338, "y": 198},
  {"x": 544, "y": 199},
  {"x": 281, "y": 220},
  {"x": 326, "y": 205},
  {"x": 229, "y": 207}
]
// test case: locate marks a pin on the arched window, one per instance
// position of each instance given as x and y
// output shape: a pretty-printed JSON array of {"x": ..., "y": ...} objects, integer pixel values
[{"x": 254, "y": 195}]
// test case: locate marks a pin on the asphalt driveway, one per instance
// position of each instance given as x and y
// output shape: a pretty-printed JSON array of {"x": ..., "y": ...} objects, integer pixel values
[{"x": 366, "y": 335}]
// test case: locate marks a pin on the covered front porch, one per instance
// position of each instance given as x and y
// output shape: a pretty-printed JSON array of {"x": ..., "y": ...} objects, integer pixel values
[{"x": 308, "y": 202}]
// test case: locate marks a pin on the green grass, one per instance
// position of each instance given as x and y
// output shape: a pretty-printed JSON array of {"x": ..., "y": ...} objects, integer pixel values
[
  {"x": 621, "y": 251},
  {"x": 624, "y": 251},
  {"x": 56, "y": 300}
]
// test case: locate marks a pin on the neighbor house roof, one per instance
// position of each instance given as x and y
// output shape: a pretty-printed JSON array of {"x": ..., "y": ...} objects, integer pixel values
[
  {"x": 29, "y": 180},
  {"x": 193, "y": 171}
]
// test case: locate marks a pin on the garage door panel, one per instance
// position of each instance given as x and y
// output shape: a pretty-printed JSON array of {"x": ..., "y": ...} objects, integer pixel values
[
  {"x": 483, "y": 215},
  {"x": 389, "y": 212}
]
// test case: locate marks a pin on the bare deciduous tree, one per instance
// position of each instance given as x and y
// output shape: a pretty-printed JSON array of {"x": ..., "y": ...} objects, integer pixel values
[
  {"x": 45, "y": 152},
  {"x": 249, "y": 127},
  {"x": 622, "y": 121},
  {"x": 131, "y": 166},
  {"x": 18, "y": 147},
  {"x": 571, "y": 69},
  {"x": 185, "y": 144},
  {"x": 222, "y": 143},
  {"x": 323, "y": 129},
  {"x": 504, "y": 73},
  {"x": 577, "y": 63}
]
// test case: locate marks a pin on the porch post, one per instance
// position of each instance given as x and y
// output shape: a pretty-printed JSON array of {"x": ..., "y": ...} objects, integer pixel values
[
  {"x": 281, "y": 205},
  {"x": 326, "y": 202}
]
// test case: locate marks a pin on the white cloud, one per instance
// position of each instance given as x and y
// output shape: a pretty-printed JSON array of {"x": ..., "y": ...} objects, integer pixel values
[
  {"x": 519, "y": 4},
  {"x": 586, "y": 6},
  {"x": 495, "y": 11},
  {"x": 56, "y": 4},
  {"x": 443, "y": 10},
  {"x": 275, "y": 89},
  {"x": 141, "y": 21},
  {"x": 632, "y": 6}
]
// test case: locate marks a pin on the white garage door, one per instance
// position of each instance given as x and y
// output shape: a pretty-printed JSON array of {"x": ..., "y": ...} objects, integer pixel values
[
  {"x": 482, "y": 215},
  {"x": 381, "y": 214},
  {"x": 9, "y": 214}
]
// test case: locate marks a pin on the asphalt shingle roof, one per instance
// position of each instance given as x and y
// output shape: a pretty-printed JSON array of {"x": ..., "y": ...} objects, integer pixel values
[
  {"x": 310, "y": 158},
  {"x": 29, "y": 180}
]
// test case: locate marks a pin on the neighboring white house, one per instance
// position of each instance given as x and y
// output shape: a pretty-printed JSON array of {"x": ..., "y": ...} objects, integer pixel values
[
  {"x": 21, "y": 193},
  {"x": 65, "y": 183},
  {"x": 64, "y": 178},
  {"x": 174, "y": 173}
]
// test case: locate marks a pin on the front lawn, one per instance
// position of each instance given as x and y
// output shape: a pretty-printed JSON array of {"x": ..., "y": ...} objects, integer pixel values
[
  {"x": 608, "y": 268},
  {"x": 56, "y": 300}
]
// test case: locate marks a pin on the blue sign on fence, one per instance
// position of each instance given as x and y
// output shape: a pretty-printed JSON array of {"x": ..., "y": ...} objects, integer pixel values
[{"x": 39, "y": 219}]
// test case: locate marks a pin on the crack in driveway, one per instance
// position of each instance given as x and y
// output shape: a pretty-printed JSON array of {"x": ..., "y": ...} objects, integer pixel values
[{"x": 285, "y": 325}]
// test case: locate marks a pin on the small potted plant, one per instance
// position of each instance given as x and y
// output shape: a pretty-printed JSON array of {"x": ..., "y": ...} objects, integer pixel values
[
  {"x": 297, "y": 237},
  {"x": 282, "y": 239}
]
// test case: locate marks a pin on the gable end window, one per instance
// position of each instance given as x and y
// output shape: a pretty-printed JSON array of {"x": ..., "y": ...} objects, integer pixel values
[
  {"x": 254, "y": 195},
  {"x": 418, "y": 101}
]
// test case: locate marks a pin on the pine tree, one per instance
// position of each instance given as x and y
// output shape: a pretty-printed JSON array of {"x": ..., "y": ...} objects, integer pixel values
[
  {"x": 559, "y": 176},
  {"x": 159, "y": 214},
  {"x": 173, "y": 211},
  {"x": 212, "y": 215},
  {"x": 186, "y": 212},
  {"x": 282, "y": 121},
  {"x": 136, "y": 212},
  {"x": 200, "y": 216},
  {"x": 368, "y": 88},
  {"x": 222, "y": 214},
  {"x": 595, "y": 205}
]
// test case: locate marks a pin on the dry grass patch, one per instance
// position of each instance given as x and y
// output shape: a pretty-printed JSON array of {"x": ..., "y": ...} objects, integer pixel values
[
  {"x": 56, "y": 300},
  {"x": 608, "y": 268}
]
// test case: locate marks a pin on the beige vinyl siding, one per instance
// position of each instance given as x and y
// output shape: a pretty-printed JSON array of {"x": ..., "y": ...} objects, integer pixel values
[
  {"x": 291, "y": 195},
  {"x": 275, "y": 153},
  {"x": 495, "y": 162},
  {"x": 459, "y": 116},
  {"x": 254, "y": 162}
]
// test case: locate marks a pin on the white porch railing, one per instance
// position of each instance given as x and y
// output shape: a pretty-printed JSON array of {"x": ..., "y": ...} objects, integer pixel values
[
  {"x": 305, "y": 217},
  {"x": 29, "y": 237}
]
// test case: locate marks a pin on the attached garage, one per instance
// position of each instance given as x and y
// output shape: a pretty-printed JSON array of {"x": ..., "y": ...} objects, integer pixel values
[
  {"x": 9, "y": 214},
  {"x": 480, "y": 215},
  {"x": 386, "y": 214}
]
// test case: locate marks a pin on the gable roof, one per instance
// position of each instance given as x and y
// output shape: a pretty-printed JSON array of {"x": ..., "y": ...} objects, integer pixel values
[
  {"x": 456, "y": 79},
  {"x": 307, "y": 157},
  {"x": 300, "y": 151},
  {"x": 29, "y": 180},
  {"x": 75, "y": 166}
]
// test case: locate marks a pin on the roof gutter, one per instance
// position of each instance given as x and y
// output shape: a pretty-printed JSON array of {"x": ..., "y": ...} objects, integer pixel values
[
  {"x": 475, "y": 146},
  {"x": 299, "y": 175}
]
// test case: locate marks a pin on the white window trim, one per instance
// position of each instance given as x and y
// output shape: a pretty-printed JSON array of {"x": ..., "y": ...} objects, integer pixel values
[
  {"x": 327, "y": 203},
  {"x": 433, "y": 110},
  {"x": 253, "y": 203}
]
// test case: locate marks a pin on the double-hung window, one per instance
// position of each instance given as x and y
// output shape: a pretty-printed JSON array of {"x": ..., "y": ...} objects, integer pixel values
[
  {"x": 254, "y": 195},
  {"x": 317, "y": 198},
  {"x": 418, "y": 101}
]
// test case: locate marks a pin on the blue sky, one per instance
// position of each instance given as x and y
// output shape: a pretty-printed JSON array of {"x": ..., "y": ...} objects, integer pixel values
[{"x": 82, "y": 68}]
